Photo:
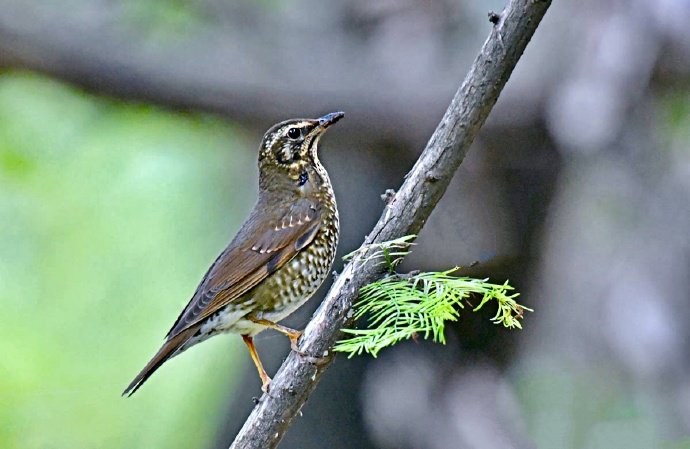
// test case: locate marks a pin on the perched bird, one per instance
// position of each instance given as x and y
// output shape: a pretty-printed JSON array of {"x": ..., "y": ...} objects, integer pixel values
[{"x": 278, "y": 259}]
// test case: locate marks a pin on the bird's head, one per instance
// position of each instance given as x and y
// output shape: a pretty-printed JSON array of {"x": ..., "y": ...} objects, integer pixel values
[{"x": 289, "y": 149}]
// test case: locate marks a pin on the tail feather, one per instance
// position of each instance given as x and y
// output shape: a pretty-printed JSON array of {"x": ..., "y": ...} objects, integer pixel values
[{"x": 164, "y": 353}]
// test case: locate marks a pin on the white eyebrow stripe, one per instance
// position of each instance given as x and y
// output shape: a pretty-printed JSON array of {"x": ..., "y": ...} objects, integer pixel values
[{"x": 301, "y": 124}]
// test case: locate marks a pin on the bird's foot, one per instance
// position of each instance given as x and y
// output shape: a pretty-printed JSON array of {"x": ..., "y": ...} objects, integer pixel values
[
  {"x": 315, "y": 360},
  {"x": 265, "y": 384},
  {"x": 294, "y": 337}
]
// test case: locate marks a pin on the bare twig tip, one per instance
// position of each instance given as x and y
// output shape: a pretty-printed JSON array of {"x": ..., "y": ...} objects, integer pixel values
[
  {"x": 494, "y": 17},
  {"x": 388, "y": 196}
]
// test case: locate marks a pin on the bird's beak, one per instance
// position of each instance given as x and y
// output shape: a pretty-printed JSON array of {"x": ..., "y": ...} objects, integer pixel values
[{"x": 329, "y": 119}]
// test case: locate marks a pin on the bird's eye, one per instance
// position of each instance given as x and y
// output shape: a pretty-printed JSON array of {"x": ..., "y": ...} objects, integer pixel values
[{"x": 294, "y": 133}]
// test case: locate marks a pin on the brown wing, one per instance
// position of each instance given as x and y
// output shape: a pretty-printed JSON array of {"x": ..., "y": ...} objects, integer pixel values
[{"x": 262, "y": 246}]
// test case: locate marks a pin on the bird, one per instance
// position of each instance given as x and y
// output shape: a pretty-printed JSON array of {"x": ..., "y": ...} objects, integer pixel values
[{"x": 278, "y": 259}]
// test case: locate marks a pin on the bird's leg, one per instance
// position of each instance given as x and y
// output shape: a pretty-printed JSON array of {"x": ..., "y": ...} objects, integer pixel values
[
  {"x": 265, "y": 380},
  {"x": 292, "y": 334}
]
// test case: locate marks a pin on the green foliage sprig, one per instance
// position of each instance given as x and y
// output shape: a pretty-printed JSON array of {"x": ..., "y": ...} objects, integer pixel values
[{"x": 400, "y": 307}]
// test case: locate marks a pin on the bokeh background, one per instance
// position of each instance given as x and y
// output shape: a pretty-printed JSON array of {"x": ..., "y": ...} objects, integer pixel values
[{"x": 128, "y": 139}]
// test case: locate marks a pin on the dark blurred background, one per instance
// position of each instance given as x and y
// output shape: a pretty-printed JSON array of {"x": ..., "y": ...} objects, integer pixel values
[{"x": 128, "y": 143}]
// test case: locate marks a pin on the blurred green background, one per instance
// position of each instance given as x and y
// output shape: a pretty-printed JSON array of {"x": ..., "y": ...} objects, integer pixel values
[{"x": 110, "y": 214}]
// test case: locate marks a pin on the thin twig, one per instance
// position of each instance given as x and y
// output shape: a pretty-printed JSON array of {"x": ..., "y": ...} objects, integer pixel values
[{"x": 404, "y": 215}]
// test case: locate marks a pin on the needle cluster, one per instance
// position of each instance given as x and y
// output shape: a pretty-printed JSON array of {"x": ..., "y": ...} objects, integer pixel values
[{"x": 400, "y": 307}]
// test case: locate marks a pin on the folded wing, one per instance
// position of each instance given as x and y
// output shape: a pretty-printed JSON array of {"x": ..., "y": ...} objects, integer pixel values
[{"x": 259, "y": 249}]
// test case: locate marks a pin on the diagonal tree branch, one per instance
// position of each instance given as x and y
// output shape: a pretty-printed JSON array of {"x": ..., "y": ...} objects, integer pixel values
[{"x": 424, "y": 186}]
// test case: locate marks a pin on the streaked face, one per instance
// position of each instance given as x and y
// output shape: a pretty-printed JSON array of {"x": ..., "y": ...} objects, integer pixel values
[
  {"x": 288, "y": 144},
  {"x": 291, "y": 146}
]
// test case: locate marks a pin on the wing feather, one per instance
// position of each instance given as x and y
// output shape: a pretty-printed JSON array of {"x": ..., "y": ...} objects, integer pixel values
[{"x": 259, "y": 249}]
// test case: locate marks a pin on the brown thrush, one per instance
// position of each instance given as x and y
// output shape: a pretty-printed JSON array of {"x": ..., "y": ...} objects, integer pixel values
[{"x": 277, "y": 260}]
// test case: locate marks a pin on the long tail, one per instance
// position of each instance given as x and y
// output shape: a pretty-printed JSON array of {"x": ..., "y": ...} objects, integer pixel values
[{"x": 163, "y": 354}]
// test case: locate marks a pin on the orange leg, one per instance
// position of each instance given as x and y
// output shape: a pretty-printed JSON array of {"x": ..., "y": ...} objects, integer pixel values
[
  {"x": 292, "y": 334},
  {"x": 265, "y": 380}
]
